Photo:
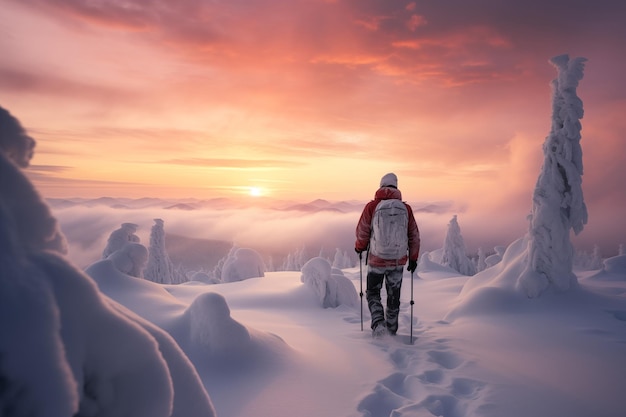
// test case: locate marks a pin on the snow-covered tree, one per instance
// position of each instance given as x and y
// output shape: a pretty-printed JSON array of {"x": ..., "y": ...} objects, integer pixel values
[
  {"x": 596, "y": 258},
  {"x": 65, "y": 348},
  {"x": 622, "y": 249},
  {"x": 330, "y": 286},
  {"x": 242, "y": 264},
  {"x": 454, "y": 254},
  {"x": 295, "y": 260},
  {"x": 558, "y": 204},
  {"x": 341, "y": 259},
  {"x": 217, "y": 271},
  {"x": 270, "y": 264},
  {"x": 120, "y": 237},
  {"x": 179, "y": 274},
  {"x": 130, "y": 259},
  {"x": 159, "y": 268}
]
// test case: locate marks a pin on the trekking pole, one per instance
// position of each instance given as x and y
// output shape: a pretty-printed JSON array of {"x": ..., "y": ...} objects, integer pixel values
[
  {"x": 412, "y": 302},
  {"x": 361, "y": 291}
]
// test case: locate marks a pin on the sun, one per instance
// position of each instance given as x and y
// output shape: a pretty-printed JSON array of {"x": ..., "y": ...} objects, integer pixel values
[{"x": 255, "y": 191}]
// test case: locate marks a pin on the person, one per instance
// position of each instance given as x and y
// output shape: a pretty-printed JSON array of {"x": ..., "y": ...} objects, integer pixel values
[{"x": 381, "y": 269}]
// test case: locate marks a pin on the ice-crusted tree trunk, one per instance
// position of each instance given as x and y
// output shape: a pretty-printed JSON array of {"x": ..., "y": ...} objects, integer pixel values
[
  {"x": 558, "y": 204},
  {"x": 454, "y": 254},
  {"x": 159, "y": 268}
]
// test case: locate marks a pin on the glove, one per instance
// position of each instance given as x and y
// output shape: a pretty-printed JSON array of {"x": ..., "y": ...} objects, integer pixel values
[{"x": 412, "y": 266}]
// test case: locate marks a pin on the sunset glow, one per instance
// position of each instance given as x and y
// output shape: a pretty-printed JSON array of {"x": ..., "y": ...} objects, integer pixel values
[{"x": 311, "y": 99}]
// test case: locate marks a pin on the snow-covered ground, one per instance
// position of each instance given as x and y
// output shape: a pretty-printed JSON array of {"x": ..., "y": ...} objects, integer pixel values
[
  {"x": 527, "y": 336},
  {"x": 271, "y": 349}
]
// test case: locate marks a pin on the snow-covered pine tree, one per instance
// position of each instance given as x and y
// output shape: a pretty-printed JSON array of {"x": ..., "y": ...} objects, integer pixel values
[
  {"x": 454, "y": 254},
  {"x": 347, "y": 261},
  {"x": 596, "y": 258},
  {"x": 217, "y": 271},
  {"x": 341, "y": 259},
  {"x": 558, "y": 204},
  {"x": 159, "y": 268}
]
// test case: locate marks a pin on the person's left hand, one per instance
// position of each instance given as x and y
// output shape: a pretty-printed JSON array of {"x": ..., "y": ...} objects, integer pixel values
[{"x": 412, "y": 266}]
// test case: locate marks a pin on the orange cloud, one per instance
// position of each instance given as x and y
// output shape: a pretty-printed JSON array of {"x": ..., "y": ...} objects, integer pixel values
[{"x": 335, "y": 92}]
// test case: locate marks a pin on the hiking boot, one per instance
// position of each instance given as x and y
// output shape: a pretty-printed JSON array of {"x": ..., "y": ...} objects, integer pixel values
[{"x": 380, "y": 330}]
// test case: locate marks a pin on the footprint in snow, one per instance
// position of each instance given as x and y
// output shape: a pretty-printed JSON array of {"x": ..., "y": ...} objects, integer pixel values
[
  {"x": 425, "y": 383},
  {"x": 466, "y": 387},
  {"x": 445, "y": 359}
]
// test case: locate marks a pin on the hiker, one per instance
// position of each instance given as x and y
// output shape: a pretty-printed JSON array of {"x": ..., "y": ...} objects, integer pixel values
[{"x": 387, "y": 229}]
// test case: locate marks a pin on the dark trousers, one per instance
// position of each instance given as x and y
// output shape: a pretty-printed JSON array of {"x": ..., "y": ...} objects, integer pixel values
[{"x": 392, "y": 278}]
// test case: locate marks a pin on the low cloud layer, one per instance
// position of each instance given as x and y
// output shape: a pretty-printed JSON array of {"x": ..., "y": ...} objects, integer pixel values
[{"x": 276, "y": 233}]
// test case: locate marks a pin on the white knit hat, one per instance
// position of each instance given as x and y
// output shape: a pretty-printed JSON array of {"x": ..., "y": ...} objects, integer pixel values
[{"x": 389, "y": 180}]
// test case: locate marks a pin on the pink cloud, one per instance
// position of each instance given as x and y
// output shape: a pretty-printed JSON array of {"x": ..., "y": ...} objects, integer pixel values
[{"x": 439, "y": 95}]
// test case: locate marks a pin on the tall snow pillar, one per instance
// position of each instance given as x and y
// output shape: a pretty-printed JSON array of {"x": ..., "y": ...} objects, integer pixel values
[
  {"x": 159, "y": 268},
  {"x": 558, "y": 203}
]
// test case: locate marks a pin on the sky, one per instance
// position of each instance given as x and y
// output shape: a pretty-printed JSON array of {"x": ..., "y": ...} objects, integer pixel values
[{"x": 306, "y": 99}]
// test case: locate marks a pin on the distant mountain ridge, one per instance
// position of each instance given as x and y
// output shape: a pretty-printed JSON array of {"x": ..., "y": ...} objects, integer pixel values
[{"x": 189, "y": 204}]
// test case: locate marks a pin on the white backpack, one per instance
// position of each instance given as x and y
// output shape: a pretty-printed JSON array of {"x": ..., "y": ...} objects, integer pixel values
[{"x": 390, "y": 224}]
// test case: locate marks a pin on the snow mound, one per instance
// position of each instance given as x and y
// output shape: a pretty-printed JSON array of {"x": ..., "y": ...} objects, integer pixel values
[
  {"x": 427, "y": 263},
  {"x": 616, "y": 265},
  {"x": 66, "y": 349},
  {"x": 147, "y": 299},
  {"x": 331, "y": 287},
  {"x": 495, "y": 258},
  {"x": 494, "y": 290},
  {"x": 130, "y": 259},
  {"x": 614, "y": 270},
  {"x": 204, "y": 330},
  {"x": 242, "y": 264},
  {"x": 212, "y": 327},
  {"x": 202, "y": 277},
  {"x": 215, "y": 340}
]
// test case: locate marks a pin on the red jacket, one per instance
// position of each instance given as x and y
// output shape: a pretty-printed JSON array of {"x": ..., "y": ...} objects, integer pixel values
[{"x": 364, "y": 230}]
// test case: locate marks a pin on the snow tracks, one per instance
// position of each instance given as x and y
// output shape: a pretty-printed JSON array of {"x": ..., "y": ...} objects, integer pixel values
[{"x": 428, "y": 378}]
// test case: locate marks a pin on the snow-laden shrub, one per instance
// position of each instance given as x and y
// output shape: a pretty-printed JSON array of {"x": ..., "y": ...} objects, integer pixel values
[
  {"x": 130, "y": 259},
  {"x": 330, "y": 285},
  {"x": 120, "y": 237},
  {"x": 242, "y": 263},
  {"x": 203, "y": 277}
]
